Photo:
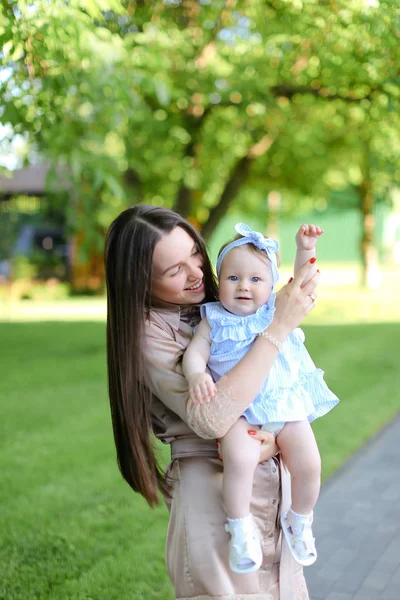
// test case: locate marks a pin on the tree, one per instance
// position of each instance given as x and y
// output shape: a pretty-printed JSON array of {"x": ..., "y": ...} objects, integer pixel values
[{"x": 197, "y": 105}]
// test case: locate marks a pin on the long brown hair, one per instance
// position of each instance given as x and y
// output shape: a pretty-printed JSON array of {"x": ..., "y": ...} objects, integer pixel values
[{"x": 128, "y": 257}]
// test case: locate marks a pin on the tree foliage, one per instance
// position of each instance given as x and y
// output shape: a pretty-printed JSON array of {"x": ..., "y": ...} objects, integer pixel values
[{"x": 195, "y": 105}]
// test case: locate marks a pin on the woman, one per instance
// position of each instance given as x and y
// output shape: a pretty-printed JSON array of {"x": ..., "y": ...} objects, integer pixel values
[{"x": 157, "y": 273}]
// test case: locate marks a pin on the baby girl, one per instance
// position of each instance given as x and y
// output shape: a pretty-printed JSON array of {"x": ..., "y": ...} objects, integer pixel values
[{"x": 293, "y": 394}]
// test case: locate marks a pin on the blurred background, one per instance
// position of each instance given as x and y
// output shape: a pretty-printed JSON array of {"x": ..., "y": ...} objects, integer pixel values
[{"x": 275, "y": 113}]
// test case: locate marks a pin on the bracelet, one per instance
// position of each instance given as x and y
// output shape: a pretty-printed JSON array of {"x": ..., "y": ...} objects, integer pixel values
[{"x": 271, "y": 339}]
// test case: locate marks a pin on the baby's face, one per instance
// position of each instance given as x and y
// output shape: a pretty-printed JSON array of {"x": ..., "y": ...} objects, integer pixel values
[{"x": 245, "y": 280}]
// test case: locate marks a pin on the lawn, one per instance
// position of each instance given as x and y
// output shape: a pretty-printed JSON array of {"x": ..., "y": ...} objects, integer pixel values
[{"x": 70, "y": 527}]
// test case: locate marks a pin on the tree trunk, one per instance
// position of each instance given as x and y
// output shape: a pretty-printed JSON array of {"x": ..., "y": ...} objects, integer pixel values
[
  {"x": 274, "y": 200},
  {"x": 233, "y": 185},
  {"x": 86, "y": 276},
  {"x": 237, "y": 179},
  {"x": 132, "y": 181},
  {"x": 182, "y": 204},
  {"x": 370, "y": 276},
  {"x": 183, "y": 200}
]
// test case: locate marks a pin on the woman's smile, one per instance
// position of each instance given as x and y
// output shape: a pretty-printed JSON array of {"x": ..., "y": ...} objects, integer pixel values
[
  {"x": 178, "y": 269},
  {"x": 196, "y": 286}
]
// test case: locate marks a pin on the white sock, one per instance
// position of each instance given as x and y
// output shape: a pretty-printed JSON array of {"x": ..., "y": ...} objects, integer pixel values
[
  {"x": 297, "y": 521},
  {"x": 238, "y": 528}
]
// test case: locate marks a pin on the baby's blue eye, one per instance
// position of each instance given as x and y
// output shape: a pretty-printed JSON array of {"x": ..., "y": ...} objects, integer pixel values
[
  {"x": 255, "y": 279},
  {"x": 233, "y": 278}
]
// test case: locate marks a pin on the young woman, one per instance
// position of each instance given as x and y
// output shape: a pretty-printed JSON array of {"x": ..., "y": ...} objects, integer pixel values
[{"x": 158, "y": 274}]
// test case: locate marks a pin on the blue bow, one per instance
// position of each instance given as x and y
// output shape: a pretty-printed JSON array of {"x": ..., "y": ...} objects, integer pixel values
[{"x": 269, "y": 245}]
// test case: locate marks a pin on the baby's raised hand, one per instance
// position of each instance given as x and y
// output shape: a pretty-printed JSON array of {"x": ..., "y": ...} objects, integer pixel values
[
  {"x": 201, "y": 388},
  {"x": 307, "y": 237}
]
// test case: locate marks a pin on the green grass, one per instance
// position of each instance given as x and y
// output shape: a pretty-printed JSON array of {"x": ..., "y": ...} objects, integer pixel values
[
  {"x": 71, "y": 529},
  {"x": 361, "y": 367},
  {"x": 340, "y": 300}
]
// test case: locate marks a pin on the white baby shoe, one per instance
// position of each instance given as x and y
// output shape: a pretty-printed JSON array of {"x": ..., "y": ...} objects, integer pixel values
[
  {"x": 299, "y": 536},
  {"x": 245, "y": 553}
]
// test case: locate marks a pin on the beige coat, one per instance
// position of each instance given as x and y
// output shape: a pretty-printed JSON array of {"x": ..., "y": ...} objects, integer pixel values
[{"x": 197, "y": 544}]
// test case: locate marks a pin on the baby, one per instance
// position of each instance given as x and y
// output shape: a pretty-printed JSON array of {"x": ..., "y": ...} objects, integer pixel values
[{"x": 293, "y": 394}]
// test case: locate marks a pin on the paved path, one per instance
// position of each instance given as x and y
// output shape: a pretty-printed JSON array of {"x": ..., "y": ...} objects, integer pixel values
[{"x": 357, "y": 526}]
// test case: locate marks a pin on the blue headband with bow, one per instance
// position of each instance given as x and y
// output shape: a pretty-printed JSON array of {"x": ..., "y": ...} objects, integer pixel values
[{"x": 269, "y": 245}]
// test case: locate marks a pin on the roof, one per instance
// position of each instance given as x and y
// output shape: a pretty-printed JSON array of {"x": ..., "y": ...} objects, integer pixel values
[{"x": 30, "y": 181}]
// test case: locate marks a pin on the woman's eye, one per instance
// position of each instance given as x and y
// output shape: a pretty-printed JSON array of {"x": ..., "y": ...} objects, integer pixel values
[
  {"x": 177, "y": 271},
  {"x": 255, "y": 279}
]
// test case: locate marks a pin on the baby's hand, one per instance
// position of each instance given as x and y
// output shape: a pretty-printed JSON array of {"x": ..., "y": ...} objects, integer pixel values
[
  {"x": 201, "y": 388},
  {"x": 307, "y": 237}
]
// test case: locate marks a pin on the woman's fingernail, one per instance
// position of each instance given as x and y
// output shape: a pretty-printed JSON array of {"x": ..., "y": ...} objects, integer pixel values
[
  {"x": 317, "y": 270},
  {"x": 252, "y": 432},
  {"x": 219, "y": 458},
  {"x": 312, "y": 260},
  {"x": 290, "y": 280}
]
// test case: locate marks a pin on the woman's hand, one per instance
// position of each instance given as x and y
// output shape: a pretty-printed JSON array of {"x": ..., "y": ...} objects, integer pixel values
[
  {"x": 294, "y": 301},
  {"x": 268, "y": 447}
]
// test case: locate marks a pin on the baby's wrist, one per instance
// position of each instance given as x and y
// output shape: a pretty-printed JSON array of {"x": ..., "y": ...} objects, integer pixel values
[
  {"x": 194, "y": 377},
  {"x": 310, "y": 251}
]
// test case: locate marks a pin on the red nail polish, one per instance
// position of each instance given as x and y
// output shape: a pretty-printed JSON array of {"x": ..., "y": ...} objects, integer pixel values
[
  {"x": 290, "y": 280},
  {"x": 317, "y": 270},
  {"x": 219, "y": 458},
  {"x": 252, "y": 432},
  {"x": 312, "y": 260}
]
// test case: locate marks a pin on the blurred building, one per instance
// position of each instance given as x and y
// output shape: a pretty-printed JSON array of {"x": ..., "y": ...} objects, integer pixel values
[{"x": 33, "y": 239}]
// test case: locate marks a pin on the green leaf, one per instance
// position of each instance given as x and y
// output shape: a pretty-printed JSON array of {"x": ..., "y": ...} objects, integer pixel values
[
  {"x": 114, "y": 186},
  {"x": 162, "y": 92}
]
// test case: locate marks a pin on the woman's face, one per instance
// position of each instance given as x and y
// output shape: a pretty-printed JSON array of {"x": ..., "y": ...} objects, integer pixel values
[{"x": 177, "y": 269}]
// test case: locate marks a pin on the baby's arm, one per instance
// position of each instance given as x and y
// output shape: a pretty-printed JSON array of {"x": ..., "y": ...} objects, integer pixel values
[
  {"x": 195, "y": 358},
  {"x": 306, "y": 241}
]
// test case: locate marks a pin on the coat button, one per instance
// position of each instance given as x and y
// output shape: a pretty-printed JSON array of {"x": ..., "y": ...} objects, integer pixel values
[
  {"x": 270, "y": 535},
  {"x": 274, "y": 469}
]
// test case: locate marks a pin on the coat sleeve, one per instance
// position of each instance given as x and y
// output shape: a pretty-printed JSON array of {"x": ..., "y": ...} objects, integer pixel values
[{"x": 165, "y": 379}]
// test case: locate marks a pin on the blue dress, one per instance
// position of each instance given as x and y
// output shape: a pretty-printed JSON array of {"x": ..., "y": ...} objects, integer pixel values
[{"x": 294, "y": 389}]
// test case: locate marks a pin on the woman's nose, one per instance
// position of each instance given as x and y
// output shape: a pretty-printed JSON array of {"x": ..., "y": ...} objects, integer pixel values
[{"x": 196, "y": 271}]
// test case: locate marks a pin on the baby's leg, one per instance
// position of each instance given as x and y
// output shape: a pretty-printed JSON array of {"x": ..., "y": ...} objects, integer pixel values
[
  {"x": 240, "y": 454},
  {"x": 300, "y": 453}
]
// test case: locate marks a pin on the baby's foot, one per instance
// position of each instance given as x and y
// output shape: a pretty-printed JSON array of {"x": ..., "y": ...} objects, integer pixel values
[
  {"x": 245, "y": 553},
  {"x": 299, "y": 536}
]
